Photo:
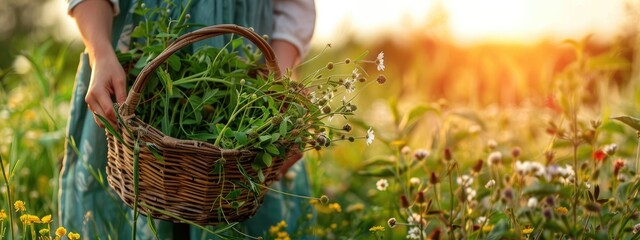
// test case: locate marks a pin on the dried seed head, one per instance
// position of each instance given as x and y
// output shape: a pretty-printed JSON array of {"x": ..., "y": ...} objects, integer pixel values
[
  {"x": 330, "y": 65},
  {"x": 476, "y": 168},
  {"x": 362, "y": 79},
  {"x": 326, "y": 110},
  {"x": 434, "y": 179},
  {"x": 346, "y": 127},
  {"x": 421, "y": 154},
  {"x": 381, "y": 79},
  {"x": 404, "y": 202},
  {"x": 347, "y": 60},
  {"x": 324, "y": 199},
  {"x": 392, "y": 222},
  {"x": 515, "y": 152},
  {"x": 447, "y": 154},
  {"x": 351, "y": 139},
  {"x": 420, "y": 199}
]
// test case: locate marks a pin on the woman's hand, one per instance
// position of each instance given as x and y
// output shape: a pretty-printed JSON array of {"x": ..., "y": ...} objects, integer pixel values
[{"x": 107, "y": 80}]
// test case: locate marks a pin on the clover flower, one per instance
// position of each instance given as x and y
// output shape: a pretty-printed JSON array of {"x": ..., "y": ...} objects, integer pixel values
[
  {"x": 380, "y": 61},
  {"x": 382, "y": 184}
]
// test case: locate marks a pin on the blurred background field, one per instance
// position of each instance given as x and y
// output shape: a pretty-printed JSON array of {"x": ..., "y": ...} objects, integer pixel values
[{"x": 476, "y": 71}]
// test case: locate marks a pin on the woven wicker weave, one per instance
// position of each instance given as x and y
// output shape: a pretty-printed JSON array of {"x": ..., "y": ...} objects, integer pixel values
[{"x": 182, "y": 183}]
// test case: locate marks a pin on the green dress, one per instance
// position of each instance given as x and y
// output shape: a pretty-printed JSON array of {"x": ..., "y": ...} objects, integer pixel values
[{"x": 90, "y": 207}]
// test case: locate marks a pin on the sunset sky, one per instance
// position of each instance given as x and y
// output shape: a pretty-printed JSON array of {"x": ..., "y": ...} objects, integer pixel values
[{"x": 468, "y": 21}]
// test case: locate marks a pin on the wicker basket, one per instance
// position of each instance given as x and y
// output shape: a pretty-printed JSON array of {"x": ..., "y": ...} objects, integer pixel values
[{"x": 182, "y": 183}]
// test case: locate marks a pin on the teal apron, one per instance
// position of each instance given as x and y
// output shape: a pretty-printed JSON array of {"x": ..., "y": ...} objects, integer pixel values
[{"x": 90, "y": 207}]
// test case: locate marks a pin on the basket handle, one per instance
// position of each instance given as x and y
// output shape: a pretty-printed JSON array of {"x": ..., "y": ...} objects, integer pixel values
[{"x": 206, "y": 32}]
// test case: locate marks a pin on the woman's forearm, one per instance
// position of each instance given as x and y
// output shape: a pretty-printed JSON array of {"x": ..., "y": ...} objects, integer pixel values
[
  {"x": 94, "y": 19},
  {"x": 286, "y": 53}
]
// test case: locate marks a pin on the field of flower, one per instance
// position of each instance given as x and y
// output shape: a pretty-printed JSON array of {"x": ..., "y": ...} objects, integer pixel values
[{"x": 479, "y": 142}]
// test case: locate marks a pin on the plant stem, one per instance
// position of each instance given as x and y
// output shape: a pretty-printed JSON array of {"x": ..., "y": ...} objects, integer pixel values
[{"x": 6, "y": 180}]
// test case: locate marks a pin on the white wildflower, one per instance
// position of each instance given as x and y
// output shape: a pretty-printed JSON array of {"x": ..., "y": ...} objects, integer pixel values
[
  {"x": 470, "y": 194},
  {"x": 490, "y": 184},
  {"x": 414, "y": 181},
  {"x": 636, "y": 228},
  {"x": 494, "y": 158},
  {"x": 492, "y": 144},
  {"x": 421, "y": 154},
  {"x": 355, "y": 74},
  {"x": 464, "y": 180},
  {"x": 370, "y": 136},
  {"x": 380, "y": 61},
  {"x": 350, "y": 85},
  {"x": 587, "y": 185},
  {"x": 482, "y": 220},
  {"x": 532, "y": 203},
  {"x": 382, "y": 184},
  {"x": 414, "y": 233},
  {"x": 610, "y": 149}
]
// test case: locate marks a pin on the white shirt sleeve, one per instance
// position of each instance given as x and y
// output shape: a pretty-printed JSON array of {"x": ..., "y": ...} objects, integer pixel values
[
  {"x": 294, "y": 22},
  {"x": 73, "y": 3}
]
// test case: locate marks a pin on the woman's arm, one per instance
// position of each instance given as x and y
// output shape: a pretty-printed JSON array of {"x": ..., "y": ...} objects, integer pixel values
[{"x": 94, "y": 19}]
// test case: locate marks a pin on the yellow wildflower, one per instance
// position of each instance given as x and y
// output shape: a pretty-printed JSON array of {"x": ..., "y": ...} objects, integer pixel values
[
  {"x": 44, "y": 232},
  {"x": 376, "y": 229},
  {"x": 562, "y": 210},
  {"x": 527, "y": 230},
  {"x": 309, "y": 216},
  {"x": 283, "y": 236},
  {"x": 273, "y": 230},
  {"x": 314, "y": 201},
  {"x": 73, "y": 236},
  {"x": 282, "y": 224},
  {"x": 336, "y": 207},
  {"x": 487, "y": 228},
  {"x": 334, "y": 226},
  {"x": 3, "y": 215},
  {"x": 29, "y": 219},
  {"x": 357, "y": 207},
  {"x": 61, "y": 231},
  {"x": 19, "y": 205},
  {"x": 46, "y": 219}
]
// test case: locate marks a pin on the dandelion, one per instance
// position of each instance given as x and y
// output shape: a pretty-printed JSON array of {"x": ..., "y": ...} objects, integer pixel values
[
  {"x": 61, "y": 231},
  {"x": 19, "y": 205},
  {"x": 380, "y": 61},
  {"x": 562, "y": 211},
  {"x": 382, "y": 184},
  {"x": 370, "y": 136},
  {"x": 73, "y": 236},
  {"x": 490, "y": 184},
  {"x": 532, "y": 203},
  {"x": 636, "y": 228},
  {"x": 494, "y": 158},
  {"x": 527, "y": 230},
  {"x": 3, "y": 215},
  {"x": 392, "y": 222},
  {"x": 376, "y": 229}
]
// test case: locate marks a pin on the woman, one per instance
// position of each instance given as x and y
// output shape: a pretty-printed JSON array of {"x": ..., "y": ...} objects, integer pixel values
[{"x": 89, "y": 206}]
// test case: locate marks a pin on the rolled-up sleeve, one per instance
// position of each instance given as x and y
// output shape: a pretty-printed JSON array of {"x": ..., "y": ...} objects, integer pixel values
[
  {"x": 294, "y": 22},
  {"x": 114, "y": 4}
]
